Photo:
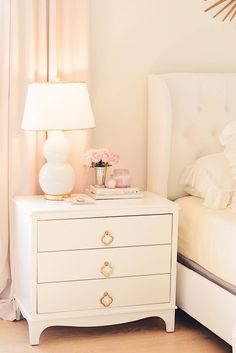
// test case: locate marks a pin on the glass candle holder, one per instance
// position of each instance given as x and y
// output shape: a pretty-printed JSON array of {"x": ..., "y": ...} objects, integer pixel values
[{"x": 122, "y": 178}]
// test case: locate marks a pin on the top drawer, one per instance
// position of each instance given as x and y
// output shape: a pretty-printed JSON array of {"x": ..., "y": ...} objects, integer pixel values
[{"x": 104, "y": 232}]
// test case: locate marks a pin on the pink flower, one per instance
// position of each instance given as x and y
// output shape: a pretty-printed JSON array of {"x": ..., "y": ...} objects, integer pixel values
[
  {"x": 105, "y": 155},
  {"x": 100, "y": 158},
  {"x": 114, "y": 158},
  {"x": 96, "y": 156}
]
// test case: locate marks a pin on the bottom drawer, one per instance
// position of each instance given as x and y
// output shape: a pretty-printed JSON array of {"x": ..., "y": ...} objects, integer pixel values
[{"x": 103, "y": 293}]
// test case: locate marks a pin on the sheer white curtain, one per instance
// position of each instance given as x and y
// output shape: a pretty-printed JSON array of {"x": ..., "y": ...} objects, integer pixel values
[
  {"x": 69, "y": 60},
  {"x": 40, "y": 39}
]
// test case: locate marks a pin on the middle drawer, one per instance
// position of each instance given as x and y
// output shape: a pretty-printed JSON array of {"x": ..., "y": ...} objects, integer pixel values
[{"x": 103, "y": 263}]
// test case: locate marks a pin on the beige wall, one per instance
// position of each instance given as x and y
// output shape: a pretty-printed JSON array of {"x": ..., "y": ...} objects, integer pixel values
[{"x": 133, "y": 38}]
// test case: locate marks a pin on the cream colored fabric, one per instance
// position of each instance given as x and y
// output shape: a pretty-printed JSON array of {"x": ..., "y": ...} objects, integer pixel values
[
  {"x": 187, "y": 112},
  {"x": 4, "y": 259},
  {"x": 228, "y": 140},
  {"x": 24, "y": 58},
  {"x": 208, "y": 237},
  {"x": 69, "y": 61},
  {"x": 18, "y": 150},
  {"x": 211, "y": 177}
]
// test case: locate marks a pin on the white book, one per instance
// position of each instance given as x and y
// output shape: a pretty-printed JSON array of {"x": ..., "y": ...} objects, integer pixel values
[
  {"x": 137, "y": 195},
  {"x": 116, "y": 191}
]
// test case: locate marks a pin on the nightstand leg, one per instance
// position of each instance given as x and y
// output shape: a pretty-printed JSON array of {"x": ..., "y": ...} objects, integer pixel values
[
  {"x": 169, "y": 317},
  {"x": 35, "y": 330}
]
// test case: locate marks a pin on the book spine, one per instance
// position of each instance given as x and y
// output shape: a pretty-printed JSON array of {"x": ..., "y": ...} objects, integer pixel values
[{"x": 114, "y": 191}]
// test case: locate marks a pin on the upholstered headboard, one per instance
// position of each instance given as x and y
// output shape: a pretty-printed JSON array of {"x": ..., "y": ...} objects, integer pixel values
[{"x": 186, "y": 113}]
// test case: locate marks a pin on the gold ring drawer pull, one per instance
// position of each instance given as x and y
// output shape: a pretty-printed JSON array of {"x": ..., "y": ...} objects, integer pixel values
[
  {"x": 106, "y": 300},
  {"x": 107, "y": 269},
  {"x": 107, "y": 238}
]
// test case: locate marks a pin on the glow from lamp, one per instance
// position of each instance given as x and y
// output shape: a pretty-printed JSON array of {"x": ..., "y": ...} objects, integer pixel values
[{"x": 54, "y": 107}]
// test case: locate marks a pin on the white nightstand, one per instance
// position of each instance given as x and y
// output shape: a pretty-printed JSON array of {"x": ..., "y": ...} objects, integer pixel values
[{"x": 91, "y": 265}]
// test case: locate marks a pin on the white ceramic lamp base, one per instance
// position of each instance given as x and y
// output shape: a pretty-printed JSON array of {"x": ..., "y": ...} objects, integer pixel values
[{"x": 56, "y": 177}]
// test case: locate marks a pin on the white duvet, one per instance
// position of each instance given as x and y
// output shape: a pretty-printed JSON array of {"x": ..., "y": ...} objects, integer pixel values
[{"x": 208, "y": 237}]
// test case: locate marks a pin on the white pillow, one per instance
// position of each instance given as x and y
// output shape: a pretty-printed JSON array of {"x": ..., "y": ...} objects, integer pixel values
[
  {"x": 228, "y": 140},
  {"x": 192, "y": 191},
  {"x": 210, "y": 177}
]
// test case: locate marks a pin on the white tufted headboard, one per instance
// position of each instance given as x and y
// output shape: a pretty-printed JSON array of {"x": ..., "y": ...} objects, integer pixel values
[{"x": 186, "y": 113}]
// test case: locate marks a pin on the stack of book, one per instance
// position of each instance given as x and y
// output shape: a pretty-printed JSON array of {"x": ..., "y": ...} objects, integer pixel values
[{"x": 98, "y": 193}]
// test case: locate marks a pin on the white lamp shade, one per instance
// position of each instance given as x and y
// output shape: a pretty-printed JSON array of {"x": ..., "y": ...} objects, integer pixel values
[{"x": 57, "y": 106}]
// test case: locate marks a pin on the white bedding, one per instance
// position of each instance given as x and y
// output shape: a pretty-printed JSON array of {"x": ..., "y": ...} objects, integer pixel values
[{"x": 208, "y": 237}]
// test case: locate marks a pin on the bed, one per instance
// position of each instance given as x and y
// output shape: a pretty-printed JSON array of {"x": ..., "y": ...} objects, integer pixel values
[{"x": 186, "y": 114}]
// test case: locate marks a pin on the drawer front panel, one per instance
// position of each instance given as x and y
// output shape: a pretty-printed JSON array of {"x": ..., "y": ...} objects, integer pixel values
[
  {"x": 103, "y": 263},
  {"x": 103, "y": 294},
  {"x": 54, "y": 235}
]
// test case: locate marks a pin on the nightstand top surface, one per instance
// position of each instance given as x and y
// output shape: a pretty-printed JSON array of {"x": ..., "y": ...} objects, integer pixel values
[{"x": 150, "y": 204}]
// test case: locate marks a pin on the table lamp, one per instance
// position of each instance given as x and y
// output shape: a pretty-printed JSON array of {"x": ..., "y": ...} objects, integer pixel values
[{"x": 55, "y": 107}]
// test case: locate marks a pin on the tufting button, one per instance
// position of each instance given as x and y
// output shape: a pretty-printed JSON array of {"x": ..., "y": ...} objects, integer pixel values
[
  {"x": 213, "y": 133},
  {"x": 199, "y": 108},
  {"x": 226, "y": 108},
  {"x": 185, "y": 134}
]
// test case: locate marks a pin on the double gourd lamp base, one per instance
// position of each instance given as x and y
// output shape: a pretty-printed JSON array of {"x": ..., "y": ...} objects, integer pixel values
[{"x": 55, "y": 107}]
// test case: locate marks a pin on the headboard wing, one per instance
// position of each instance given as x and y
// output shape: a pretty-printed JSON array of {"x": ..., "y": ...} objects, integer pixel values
[{"x": 186, "y": 113}]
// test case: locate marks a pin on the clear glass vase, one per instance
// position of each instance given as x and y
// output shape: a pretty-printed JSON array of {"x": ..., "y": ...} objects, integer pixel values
[{"x": 100, "y": 176}]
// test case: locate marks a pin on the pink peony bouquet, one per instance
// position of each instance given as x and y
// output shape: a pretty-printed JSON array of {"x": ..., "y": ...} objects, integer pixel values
[{"x": 100, "y": 158}]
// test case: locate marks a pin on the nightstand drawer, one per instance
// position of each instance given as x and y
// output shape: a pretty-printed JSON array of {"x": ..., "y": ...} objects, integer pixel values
[
  {"x": 103, "y": 263},
  {"x": 98, "y": 294},
  {"x": 54, "y": 235}
]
